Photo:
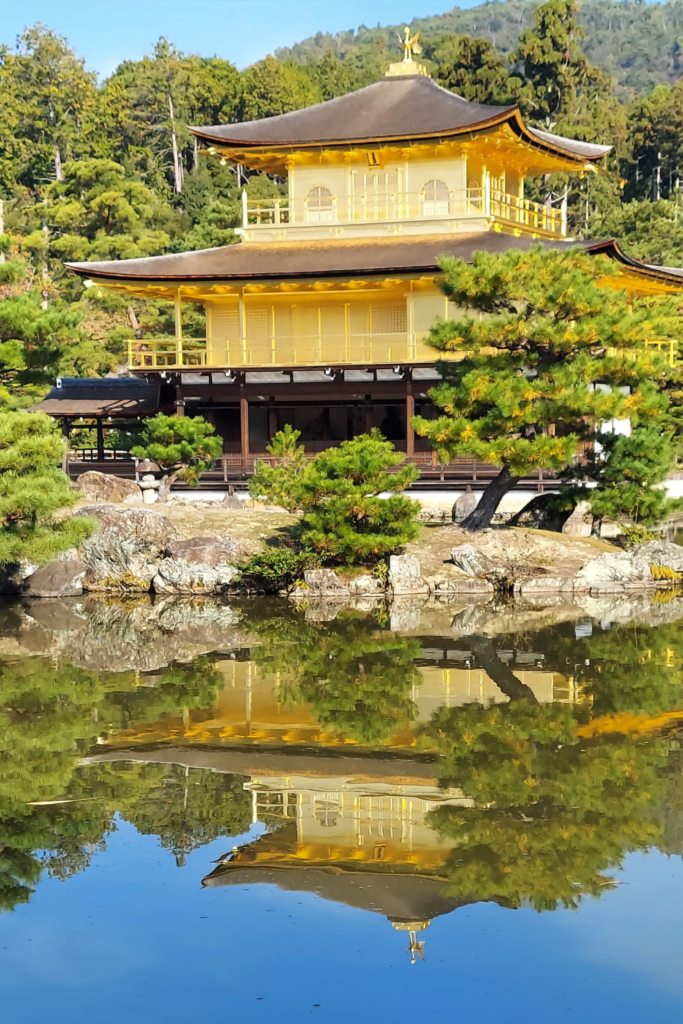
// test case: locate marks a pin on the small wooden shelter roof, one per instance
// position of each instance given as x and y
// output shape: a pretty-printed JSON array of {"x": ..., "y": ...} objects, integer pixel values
[{"x": 75, "y": 397}]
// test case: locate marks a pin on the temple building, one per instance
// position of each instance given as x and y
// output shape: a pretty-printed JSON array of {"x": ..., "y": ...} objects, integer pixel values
[{"x": 318, "y": 317}]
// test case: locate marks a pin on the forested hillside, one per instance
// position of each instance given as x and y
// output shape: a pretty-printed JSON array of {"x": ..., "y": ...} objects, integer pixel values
[
  {"x": 637, "y": 43},
  {"x": 101, "y": 170}
]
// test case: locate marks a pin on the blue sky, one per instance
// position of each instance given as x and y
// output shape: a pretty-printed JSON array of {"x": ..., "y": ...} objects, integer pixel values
[{"x": 106, "y": 32}]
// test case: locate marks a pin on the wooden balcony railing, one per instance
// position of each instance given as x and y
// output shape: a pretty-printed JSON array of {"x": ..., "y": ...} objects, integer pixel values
[{"x": 397, "y": 206}]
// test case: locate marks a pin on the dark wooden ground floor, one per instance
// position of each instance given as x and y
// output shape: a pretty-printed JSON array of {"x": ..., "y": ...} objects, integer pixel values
[{"x": 247, "y": 410}]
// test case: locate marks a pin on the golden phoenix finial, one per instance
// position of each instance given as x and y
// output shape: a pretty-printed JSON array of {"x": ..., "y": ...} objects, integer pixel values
[{"x": 410, "y": 44}]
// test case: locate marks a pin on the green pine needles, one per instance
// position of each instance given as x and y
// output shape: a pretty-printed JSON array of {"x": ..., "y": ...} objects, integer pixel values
[
  {"x": 33, "y": 489},
  {"x": 345, "y": 519},
  {"x": 546, "y": 351},
  {"x": 184, "y": 447}
]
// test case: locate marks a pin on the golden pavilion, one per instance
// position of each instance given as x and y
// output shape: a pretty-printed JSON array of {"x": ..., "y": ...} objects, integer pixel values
[{"x": 318, "y": 317}]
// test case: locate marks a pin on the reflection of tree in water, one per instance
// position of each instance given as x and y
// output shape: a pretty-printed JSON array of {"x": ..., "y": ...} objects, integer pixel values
[
  {"x": 189, "y": 808},
  {"x": 49, "y": 716},
  {"x": 552, "y": 812},
  {"x": 356, "y": 677}
]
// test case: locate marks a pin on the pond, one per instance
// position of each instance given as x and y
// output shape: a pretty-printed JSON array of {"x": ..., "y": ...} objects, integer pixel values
[{"x": 247, "y": 811}]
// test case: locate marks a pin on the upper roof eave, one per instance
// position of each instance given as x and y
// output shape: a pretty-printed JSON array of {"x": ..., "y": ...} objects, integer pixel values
[{"x": 393, "y": 110}]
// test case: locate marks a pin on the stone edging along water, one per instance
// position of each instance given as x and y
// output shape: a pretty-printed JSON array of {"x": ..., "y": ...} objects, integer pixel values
[{"x": 139, "y": 550}]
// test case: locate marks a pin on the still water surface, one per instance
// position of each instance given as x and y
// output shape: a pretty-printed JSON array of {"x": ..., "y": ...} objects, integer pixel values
[{"x": 247, "y": 812}]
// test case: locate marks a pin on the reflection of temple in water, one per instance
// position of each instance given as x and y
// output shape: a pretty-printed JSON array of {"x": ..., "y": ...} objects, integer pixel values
[
  {"x": 346, "y": 823},
  {"x": 255, "y": 706},
  {"x": 354, "y": 839}
]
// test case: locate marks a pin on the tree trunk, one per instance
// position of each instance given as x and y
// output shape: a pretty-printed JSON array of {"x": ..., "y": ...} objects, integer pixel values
[
  {"x": 490, "y": 500},
  {"x": 59, "y": 174},
  {"x": 165, "y": 488},
  {"x": 177, "y": 169},
  {"x": 501, "y": 674}
]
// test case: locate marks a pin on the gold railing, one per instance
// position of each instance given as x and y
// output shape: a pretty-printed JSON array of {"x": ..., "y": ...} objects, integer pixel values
[
  {"x": 386, "y": 206},
  {"x": 281, "y": 351},
  {"x": 166, "y": 353},
  {"x": 305, "y": 351}
]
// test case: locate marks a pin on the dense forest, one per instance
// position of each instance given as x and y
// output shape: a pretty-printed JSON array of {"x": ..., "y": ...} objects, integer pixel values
[{"x": 99, "y": 170}]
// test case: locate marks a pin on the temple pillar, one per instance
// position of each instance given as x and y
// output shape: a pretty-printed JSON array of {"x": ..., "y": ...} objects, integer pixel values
[
  {"x": 368, "y": 414},
  {"x": 244, "y": 427},
  {"x": 100, "y": 440},
  {"x": 410, "y": 412},
  {"x": 272, "y": 420}
]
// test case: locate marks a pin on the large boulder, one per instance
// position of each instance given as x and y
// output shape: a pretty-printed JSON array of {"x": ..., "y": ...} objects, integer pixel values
[
  {"x": 629, "y": 568},
  {"x": 543, "y": 512},
  {"x": 126, "y": 550},
  {"x": 178, "y": 576},
  {"x": 210, "y": 551},
  {"x": 106, "y": 489},
  {"x": 324, "y": 583},
  {"x": 405, "y": 576},
  {"x": 62, "y": 577}
]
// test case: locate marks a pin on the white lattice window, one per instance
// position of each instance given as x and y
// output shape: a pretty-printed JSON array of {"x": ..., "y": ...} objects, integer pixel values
[
  {"x": 258, "y": 323},
  {"x": 388, "y": 319},
  {"x": 435, "y": 199},
  {"x": 320, "y": 204},
  {"x": 225, "y": 324}
]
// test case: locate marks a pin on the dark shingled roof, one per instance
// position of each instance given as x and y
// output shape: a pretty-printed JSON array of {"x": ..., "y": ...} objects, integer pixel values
[
  {"x": 310, "y": 259},
  {"x": 394, "y": 108},
  {"x": 336, "y": 258},
  {"x": 100, "y": 396},
  {"x": 403, "y": 898}
]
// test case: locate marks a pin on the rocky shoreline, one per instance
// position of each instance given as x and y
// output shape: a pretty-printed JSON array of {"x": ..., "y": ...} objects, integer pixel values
[{"x": 138, "y": 550}]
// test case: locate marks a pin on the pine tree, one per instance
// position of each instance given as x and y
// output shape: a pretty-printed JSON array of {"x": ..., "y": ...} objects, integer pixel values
[
  {"x": 546, "y": 350},
  {"x": 626, "y": 472},
  {"x": 344, "y": 517},
  {"x": 183, "y": 446},
  {"x": 33, "y": 489}
]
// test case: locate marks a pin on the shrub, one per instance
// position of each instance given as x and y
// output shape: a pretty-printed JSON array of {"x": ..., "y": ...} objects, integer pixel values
[
  {"x": 276, "y": 569},
  {"x": 183, "y": 446},
  {"x": 33, "y": 488},
  {"x": 345, "y": 519}
]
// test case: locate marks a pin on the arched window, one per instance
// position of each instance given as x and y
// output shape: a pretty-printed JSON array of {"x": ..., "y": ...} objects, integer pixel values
[
  {"x": 319, "y": 204},
  {"x": 435, "y": 199}
]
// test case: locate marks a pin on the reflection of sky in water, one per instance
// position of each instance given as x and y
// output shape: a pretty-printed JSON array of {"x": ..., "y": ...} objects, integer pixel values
[
  {"x": 519, "y": 729},
  {"x": 135, "y": 939}
]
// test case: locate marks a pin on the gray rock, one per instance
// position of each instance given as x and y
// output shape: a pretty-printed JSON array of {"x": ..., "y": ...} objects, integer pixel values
[
  {"x": 324, "y": 583},
  {"x": 630, "y": 567},
  {"x": 465, "y": 504},
  {"x": 323, "y": 609},
  {"x": 61, "y": 578},
  {"x": 580, "y": 522},
  {"x": 366, "y": 586},
  {"x": 211, "y": 551},
  {"x": 230, "y": 500},
  {"x": 13, "y": 577},
  {"x": 541, "y": 513},
  {"x": 107, "y": 489},
  {"x": 178, "y": 576},
  {"x": 127, "y": 548},
  {"x": 545, "y": 585},
  {"x": 466, "y": 587},
  {"x": 472, "y": 561},
  {"x": 405, "y": 576},
  {"x": 405, "y": 614}
]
